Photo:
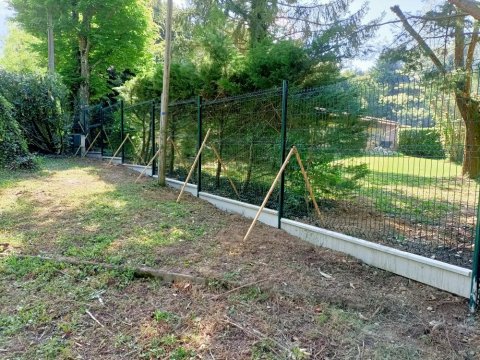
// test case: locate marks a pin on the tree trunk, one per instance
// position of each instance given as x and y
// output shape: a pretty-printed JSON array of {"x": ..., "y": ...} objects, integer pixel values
[
  {"x": 471, "y": 153},
  {"x": 467, "y": 106},
  {"x": 84, "y": 53},
  {"x": 469, "y": 6},
  {"x": 51, "y": 44},
  {"x": 84, "y": 90}
]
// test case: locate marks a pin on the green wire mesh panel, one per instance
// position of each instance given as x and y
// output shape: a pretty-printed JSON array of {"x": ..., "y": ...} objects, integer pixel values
[
  {"x": 385, "y": 161},
  {"x": 91, "y": 120},
  {"x": 393, "y": 162},
  {"x": 245, "y": 131},
  {"x": 182, "y": 144},
  {"x": 110, "y": 139},
  {"x": 138, "y": 125}
]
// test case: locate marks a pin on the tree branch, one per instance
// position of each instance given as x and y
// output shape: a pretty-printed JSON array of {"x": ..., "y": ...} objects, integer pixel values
[
  {"x": 423, "y": 45},
  {"x": 470, "y": 7},
  {"x": 459, "y": 43},
  {"x": 470, "y": 55}
]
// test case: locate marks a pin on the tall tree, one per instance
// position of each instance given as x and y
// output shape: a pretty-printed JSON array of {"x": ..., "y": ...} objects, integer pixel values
[
  {"x": 91, "y": 37},
  {"x": 19, "y": 55},
  {"x": 329, "y": 23},
  {"x": 450, "y": 23}
]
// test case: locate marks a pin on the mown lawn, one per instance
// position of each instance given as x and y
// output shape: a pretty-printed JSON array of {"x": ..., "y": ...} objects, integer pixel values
[
  {"x": 418, "y": 189},
  {"x": 287, "y": 307}
]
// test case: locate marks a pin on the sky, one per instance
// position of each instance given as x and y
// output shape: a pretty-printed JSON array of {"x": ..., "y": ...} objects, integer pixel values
[
  {"x": 4, "y": 14},
  {"x": 384, "y": 35}
]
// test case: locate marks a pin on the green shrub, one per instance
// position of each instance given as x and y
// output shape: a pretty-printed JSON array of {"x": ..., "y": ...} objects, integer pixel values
[
  {"x": 13, "y": 147},
  {"x": 328, "y": 180},
  {"x": 37, "y": 105},
  {"x": 421, "y": 143}
]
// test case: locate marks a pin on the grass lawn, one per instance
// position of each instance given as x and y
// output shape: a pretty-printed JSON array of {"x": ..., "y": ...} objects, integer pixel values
[
  {"x": 88, "y": 211},
  {"x": 411, "y": 166},
  {"x": 422, "y": 193},
  {"x": 427, "y": 189}
]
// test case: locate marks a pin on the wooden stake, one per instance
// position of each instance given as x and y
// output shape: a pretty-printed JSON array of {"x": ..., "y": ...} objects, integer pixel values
[
  {"x": 175, "y": 149},
  {"x": 194, "y": 164},
  {"x": 225, "y": 170},
  {"x": 149, "y": 164},
  {"x": 91, "y": 145},
  {"x": 76, "y": 152},
  {"x": 135, "y": 150},
  {"x": 282, "y": 169},
  {"x": 307, "y": 182},
  {"x": 116, "y": 152},
  {"x": 108, "y": 139},
  {"x": 83, "y": 130}
]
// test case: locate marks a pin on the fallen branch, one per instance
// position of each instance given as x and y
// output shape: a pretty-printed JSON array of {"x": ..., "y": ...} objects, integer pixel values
[
  {"x": 238, "y": 288},
  {"x": 165, "y": 276}
]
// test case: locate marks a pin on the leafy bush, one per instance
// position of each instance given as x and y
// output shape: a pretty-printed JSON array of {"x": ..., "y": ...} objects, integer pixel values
[
  {"x": 329, "y": 180},
  {"x": 13, "y": 147},
  {"x": 326, "y": 126},
  {"x": 269, "y": 63},
  {"x": 421, "y": 143},
  {"x": 37, "y": 105}
]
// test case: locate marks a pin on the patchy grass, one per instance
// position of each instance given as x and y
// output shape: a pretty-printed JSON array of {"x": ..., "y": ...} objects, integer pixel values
[
  {"x": 78, "y": 214},
  {"x": 83, "y": 209}
]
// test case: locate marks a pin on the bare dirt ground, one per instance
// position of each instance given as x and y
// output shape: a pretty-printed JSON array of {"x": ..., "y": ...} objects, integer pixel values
[{"x": 300, "y": 302}]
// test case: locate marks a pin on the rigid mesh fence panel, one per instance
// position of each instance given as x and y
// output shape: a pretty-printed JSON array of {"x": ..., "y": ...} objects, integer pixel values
[
  {"x": 138, "y": 126},
  {"x": 182, "y": 140},
  {"x": 111, "y": 137},
  {"x": 393, "y": 162},
  {"x": 245, "y": 132},
  {"x": 385, "y": 163},
  {"x": 91, "y": 120}
]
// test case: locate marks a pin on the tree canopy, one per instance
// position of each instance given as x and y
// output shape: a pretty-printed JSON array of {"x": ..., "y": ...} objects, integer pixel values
[
  {"x": 442, "y": 44},
  {"x": 90, "y": 37}
]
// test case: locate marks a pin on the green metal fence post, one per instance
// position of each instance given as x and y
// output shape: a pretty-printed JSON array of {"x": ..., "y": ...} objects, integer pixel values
[
  {"x": 152, "y": 135},
  {"x": 283, "y": 145},
  {"x": 102, "y": 133},
  {"x": 122, "y": 128},
  {"x": 199, "y": 143},
  {"x": 473, "y": 302}
]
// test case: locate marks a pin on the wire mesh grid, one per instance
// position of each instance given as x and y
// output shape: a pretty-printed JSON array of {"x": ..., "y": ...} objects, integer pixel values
[
  {"x": 242, "y": 154},
  {"x": 182, "y": 139},
  {"x": 138, "y": 120},
  {"x": 385, "y": 161},
  {"x": 388, "y": 162}
]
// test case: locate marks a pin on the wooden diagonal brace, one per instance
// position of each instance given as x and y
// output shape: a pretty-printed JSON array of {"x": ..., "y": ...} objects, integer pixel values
[
  {"x": 121, "y": 145},
  {"x": 194, "y": 164},
  {"x": 293, "y": 151},
  {"x": 149, "y": 164},
  {"x": 225, "y": 170},
  {"x": 93, "y": 142}
]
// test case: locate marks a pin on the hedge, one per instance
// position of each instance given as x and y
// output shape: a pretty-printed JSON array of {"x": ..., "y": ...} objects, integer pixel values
[{"x": 425, "y": 143}]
